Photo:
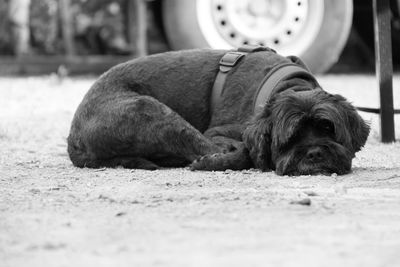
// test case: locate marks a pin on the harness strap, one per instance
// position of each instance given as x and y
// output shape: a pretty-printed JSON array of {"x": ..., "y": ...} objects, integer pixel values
[
  {"x": 267, "y": 88},
  {"x": 276, "y": 75},
  {"x": 227, "y": 62}
]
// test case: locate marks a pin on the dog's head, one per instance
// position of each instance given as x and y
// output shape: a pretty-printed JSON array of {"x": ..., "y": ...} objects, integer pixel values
[{"x": 306, "y": 132}]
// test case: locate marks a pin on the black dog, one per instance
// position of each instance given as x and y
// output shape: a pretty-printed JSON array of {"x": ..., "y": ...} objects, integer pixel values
[{"x": 181, "y": 108}]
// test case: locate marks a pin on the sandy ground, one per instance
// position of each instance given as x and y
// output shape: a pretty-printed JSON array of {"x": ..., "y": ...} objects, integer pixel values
[{"x": 52, "y": 214}]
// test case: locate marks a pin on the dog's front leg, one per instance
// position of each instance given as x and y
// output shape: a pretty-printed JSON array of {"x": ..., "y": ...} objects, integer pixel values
[
  {"x": 235, "y": 155},
  {"x": 228, "y": 137},
  {"x": 238, "y": 159}
]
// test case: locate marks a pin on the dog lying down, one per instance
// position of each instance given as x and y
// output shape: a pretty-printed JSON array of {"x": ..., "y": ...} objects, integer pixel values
[{"x": 215, "y": 110}]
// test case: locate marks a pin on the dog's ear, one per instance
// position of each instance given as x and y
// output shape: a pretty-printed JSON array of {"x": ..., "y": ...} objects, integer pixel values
[
  {"x": 357, "y": 128},
  {"x": 257, "y": 140}
]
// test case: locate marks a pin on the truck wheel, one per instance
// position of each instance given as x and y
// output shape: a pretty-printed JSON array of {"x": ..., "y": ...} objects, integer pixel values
[{"x": 315, "y": 30}]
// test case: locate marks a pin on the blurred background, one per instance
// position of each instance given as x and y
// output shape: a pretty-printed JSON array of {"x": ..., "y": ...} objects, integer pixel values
[{"x": 89, "y": 36}]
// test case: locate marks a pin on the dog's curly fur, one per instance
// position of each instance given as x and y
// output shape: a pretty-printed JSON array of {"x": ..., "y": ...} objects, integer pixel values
[{"x": 154, "y": 112}]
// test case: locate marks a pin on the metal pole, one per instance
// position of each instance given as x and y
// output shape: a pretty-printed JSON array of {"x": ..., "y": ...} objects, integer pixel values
[
  {"x": 18, "y": 14},
  {"x": 141, "y": 18},
  {"x": 384, "y": 67},
  {"x": 66, "y": 27}
]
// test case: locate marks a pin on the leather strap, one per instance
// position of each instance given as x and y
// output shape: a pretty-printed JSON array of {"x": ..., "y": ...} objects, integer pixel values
[
  {"x": 281, "y": 72},
  {"x": 227, "y": 62},
  {"x": 275, "y": 76}
]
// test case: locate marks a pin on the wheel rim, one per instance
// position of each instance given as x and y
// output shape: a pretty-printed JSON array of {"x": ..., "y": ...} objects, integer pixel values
[{"x": 290, "y": 26}]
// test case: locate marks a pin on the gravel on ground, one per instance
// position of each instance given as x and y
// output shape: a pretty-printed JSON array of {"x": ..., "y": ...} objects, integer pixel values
[{"x": 53, "y": 214}]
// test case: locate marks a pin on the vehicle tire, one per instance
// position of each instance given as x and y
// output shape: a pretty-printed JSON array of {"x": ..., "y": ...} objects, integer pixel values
[{"x": 315, "y": 30}]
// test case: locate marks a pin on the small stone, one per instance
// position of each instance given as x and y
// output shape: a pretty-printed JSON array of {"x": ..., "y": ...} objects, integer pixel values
[
  {"x": 34, "y": 191},
  {"x": 52, "y": 246},
  {"x": 304, "y": 202},
  {"x": 310, "y": 193}
]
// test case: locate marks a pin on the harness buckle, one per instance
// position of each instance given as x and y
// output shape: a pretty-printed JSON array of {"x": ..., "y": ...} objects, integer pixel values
[{"x": 229, "y": 60}]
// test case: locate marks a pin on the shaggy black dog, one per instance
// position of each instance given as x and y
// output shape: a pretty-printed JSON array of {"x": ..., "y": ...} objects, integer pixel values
[{"x": 155, "y": 112}]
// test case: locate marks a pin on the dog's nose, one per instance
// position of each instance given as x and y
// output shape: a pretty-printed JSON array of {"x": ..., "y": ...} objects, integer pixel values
[{"x": 314, "y": 154}]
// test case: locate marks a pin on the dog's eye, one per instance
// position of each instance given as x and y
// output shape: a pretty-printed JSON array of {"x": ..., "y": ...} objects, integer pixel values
[{"x": 325, "y": 126}]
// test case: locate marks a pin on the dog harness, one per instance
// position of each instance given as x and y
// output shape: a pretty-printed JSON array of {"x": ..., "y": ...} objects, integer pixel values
[{"x": 267, "y": 88}]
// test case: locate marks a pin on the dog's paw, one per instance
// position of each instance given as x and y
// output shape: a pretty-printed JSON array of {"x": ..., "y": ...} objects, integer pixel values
[
  {"x": 239, "y": 159},
  {"x": 211, "y": 162}
]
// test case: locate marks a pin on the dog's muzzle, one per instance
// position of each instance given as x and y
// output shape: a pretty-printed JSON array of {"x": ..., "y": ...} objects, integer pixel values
[{"x": 325, "y": 158}]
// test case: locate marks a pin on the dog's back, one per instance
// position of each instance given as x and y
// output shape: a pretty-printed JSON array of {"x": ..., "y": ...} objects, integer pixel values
[{"x": 181, "y": 80}]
